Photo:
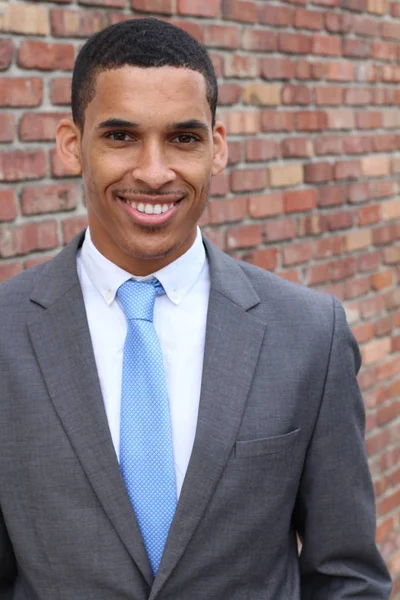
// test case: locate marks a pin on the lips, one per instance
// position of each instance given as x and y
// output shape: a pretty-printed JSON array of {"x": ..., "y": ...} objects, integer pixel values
[{"x": 150, "y": 210}]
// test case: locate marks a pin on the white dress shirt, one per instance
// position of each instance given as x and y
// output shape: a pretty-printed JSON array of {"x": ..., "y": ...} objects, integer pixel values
[{"x": 180, "y": 321}]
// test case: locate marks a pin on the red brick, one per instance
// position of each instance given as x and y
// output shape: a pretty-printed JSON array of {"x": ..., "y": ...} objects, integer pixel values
[
  {"x": 370, "y": 307},
  {"x": 369, "y": 72},
  {"x": 328, "y": 95},
  {"x": 245, "y": 236},
  {"x": 266, "y": 205},
  {"x": 227, "y": 210},
  {"x": 242, "y": 122},
  {"x": 216, "y": 236},
  {"x": 274, "y": 120},
  {"x": 347, "y": 169},
  {"x": 369, "y": 120},
  {"x": 35, "y": 54},
  {"x": 387, "y": 142},
  {"x": 297, "y": 253},
  {"x": 358, "y": 96},
  {"x": 277, "y": 68},
  {"x": 243, "y": 180},
  {"x": 260, "y": 40},
  {"x": 7, "y": 127},
  {"x": 8, "y": 270},
  {"x": 49, "y": 198},
  {"x": 60, "y": 91},
  {"x": 328, "y": 247},
  {"x": 382, "y": 280},
  {"x": 340, "y": 220},
  {"x": 194, "y": 29},
  {"x": 71, "y": 227},
  {"x": 294, "y": 43},
  {"x": 311, "y": 120},
  {"x": 261, "y": 149},
  {"x": 326, "y": 45},
  {"x": 106, "y": 3},
  {"x": 262, "y": 94},
  {"x": 340, "y": 71},
  {"x": 21, "y": 91},
  {"x": 317, "y": 274},
  {"x": 355, "y": 48},
  {"x": 279, "y": 229},
  {"x": 369, "y": 214},
  {"x": 166, "y": 7},
  {"x": 6, "y": 53},
  {"x": 382, "y": 188},
  {"x": 24, "y": 239},
  {"x": 17, "y": 165},
  {"x": 308, "y": 19},
  {"x": 386, "y": 234},
  {"x": 384, "y": 50},
  {"x": 79, "y": 23},
  {"x": 356, "y": 287},
  {"x": 222, "y": 36},
  {"x": 39, "y": 126},
  {"x": 317, "y": 172},
  {"x": 357, "y": 144},
  {"x": 304, "y": 70},
  {"x": 363, "y": 332},
  {"x": 328, "y": 144},
  {"x": 289, "y": 275},
  {"x": 238, "y": 65},
  {"x": 229, "y": 93},
  {"x": 395, "y": 9},
  {"x": 240, "y": 10},
  {"x": 235, "y": 152},
  {"x": 366, "y": 26},
  {"x": 332, "y": 195},
  {"x": 277, "y": 16},
  {"x": 311, "y": 224},
  {"x": 391, "y": 255},
  {"x": 340, "y": 118},
  {"x": 8, "y": 205},
  {"x": 220, "y": 185},
  {"x": 356, "y": 5},
  {"x": 338, "y": 22},
  {"x": 296, "y": 94},
  {"x": 296, "y": 147},
  {"x": 199, "y": 8},
  {"x": 266, "y": 258},
  {"x": 343, "y": 268},
  {"x": 300, "y": 200},
  {"x": 332, "y": 3}
]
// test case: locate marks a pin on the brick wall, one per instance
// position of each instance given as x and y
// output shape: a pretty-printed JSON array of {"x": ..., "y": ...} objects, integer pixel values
[{"x": 309, "y": 94}]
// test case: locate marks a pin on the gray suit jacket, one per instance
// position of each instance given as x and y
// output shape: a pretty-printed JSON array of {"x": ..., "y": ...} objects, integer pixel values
[{"x": 278, "y": 453}]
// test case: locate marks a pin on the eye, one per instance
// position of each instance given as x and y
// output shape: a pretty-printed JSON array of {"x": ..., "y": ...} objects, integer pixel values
[
  {"x": 118, "y": 136},
  {"x": 186, "y": 138}
]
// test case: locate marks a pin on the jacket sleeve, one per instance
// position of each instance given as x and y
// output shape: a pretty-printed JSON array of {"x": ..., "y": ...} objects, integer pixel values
[
  {"x": 335, "y": 509},
  {"x": 8, "y": 567}
]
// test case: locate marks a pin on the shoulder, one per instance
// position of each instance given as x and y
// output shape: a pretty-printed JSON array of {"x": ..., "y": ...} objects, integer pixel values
[{"x": 16, "y": 291}]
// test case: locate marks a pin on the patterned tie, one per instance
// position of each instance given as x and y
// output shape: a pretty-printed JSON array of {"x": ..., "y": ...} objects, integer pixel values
[{"x": 146, "y": 455}]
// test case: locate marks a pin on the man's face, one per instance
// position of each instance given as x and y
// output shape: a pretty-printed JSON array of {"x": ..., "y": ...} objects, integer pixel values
[{"x": 147, "y": 154}]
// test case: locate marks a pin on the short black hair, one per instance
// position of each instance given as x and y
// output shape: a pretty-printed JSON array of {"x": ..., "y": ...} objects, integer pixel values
[{"x": 142, "y": 43}]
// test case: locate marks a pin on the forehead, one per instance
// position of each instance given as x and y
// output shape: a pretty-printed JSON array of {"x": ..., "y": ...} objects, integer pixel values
[{"x": 149, "y": 94}]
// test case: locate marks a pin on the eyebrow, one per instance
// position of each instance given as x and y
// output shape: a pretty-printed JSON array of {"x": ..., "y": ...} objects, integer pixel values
[{"x": 181, "y": 125}]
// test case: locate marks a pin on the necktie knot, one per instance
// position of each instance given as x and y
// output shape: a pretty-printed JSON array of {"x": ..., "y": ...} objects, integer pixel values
[{"x": 137, "y": 298}]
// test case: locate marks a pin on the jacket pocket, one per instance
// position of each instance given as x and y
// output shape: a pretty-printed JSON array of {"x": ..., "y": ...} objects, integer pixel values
[{"x": 269, "y": 445}]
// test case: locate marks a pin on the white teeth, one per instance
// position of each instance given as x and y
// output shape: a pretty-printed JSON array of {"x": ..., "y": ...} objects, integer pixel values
[{"x": 151, "y": 209}]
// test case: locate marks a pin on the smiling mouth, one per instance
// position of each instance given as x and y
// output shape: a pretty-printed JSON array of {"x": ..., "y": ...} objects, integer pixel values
[{"x": 147, "y": 208}]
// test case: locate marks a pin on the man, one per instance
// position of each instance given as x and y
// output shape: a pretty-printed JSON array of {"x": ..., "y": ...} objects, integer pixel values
[{"x": 172, "y": 420}]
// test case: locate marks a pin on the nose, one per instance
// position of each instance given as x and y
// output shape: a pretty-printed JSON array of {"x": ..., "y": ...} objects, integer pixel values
[{"x": 151, "y": 168}]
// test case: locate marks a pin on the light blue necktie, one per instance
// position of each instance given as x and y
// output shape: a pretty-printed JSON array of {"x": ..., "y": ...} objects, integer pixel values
[{"x": 146, "y": 455}]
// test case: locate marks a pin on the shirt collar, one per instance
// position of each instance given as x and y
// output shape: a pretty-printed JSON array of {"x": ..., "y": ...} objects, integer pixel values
[{"x": 177, "y": 278}]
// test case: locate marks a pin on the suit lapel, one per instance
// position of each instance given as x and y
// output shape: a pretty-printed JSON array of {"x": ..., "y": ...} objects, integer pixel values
[
  {"x": 60, "y": 336},
  {"x": 233, "y": 342}
]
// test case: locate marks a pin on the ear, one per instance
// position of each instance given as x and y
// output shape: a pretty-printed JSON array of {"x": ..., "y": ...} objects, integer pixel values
[
  {"x": 68, "y": 146},
  {"x": 220, "y": 157}
]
